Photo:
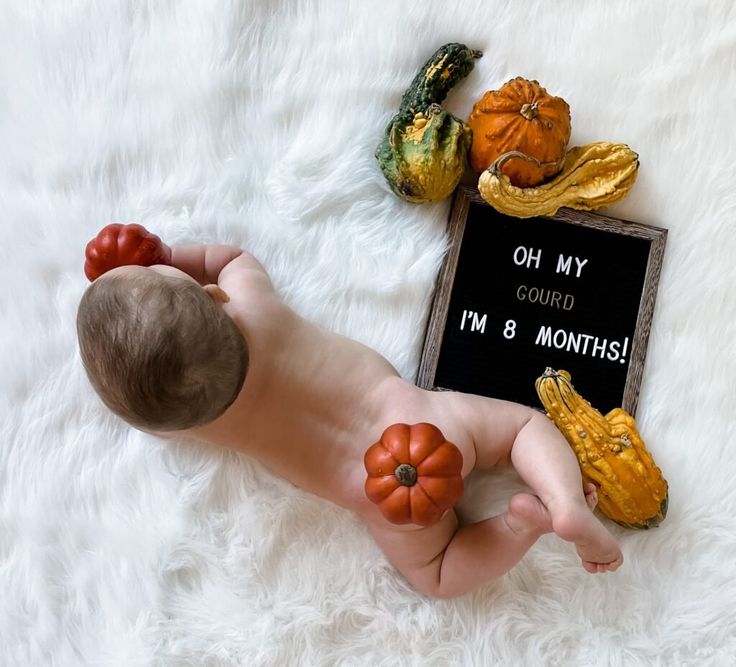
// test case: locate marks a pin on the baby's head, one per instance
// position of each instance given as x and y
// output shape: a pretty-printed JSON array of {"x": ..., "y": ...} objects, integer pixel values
[{"x": 159, "y": 349}]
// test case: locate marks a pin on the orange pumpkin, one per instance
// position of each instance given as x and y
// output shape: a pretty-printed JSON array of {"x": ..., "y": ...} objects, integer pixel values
[
  {"x": 414, "y": 474},
  {"x": 522, "y": 117}
]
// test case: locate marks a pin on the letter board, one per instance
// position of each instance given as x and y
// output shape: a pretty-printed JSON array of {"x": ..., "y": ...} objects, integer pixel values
[{"x": 575, "y": 291}]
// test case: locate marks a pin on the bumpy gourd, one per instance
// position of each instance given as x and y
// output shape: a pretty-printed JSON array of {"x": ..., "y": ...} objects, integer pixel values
[
  {"x": 424, "y": 150},
  {"x": 610, "y": 451},
  {"x": 414, "y": 474},
  {"x": 592, "y": 176},
  {"x": 520, "y": 116}
]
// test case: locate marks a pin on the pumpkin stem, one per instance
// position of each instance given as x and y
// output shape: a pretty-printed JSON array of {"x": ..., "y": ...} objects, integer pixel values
[
  {"x": 529, "y": 111},
  {"x": 406, "y": 474},
  {"x": 495, "y": 168}
]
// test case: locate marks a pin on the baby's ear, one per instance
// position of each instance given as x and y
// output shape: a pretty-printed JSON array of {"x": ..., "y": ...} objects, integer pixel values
[{"x": 217, "y": 293}]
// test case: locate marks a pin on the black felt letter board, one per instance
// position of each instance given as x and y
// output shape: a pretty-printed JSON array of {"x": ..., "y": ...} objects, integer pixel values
[{"x": 573, "y": 292}]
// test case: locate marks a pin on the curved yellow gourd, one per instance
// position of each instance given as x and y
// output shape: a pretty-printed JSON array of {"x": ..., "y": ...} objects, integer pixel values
[
  {"x": 591, "y": 177},
  {"x": 610, "y": 451}
]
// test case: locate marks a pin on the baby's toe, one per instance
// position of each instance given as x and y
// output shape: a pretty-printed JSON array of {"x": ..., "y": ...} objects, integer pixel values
[
  {"x": 596, "y": 568},
  {"x": 591, "y": 496},
  {"x": 614, "y": 565}
]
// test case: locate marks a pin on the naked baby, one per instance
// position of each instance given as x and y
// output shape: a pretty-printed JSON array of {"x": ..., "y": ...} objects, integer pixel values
[{"x": 205, "y": 348}]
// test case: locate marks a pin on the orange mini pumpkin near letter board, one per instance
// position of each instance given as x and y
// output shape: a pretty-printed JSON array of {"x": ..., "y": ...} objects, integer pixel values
[
  {"x": 520, "y": 116},
  {"x": 414, "y": 474}
]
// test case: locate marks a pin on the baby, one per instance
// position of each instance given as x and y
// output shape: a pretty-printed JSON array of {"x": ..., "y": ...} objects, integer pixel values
[{"x": 206, "y": 348}]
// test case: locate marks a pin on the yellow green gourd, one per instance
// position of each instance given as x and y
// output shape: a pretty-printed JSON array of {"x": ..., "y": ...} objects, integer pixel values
[{"x": 424, "y": 149}]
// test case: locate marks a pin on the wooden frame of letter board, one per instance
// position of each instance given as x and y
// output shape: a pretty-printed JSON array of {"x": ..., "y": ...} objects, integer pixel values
[{"x": 464, "y": 196}]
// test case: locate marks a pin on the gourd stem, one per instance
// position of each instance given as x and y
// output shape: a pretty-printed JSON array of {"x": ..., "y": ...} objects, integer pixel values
[{"x": 495, "y": 168}]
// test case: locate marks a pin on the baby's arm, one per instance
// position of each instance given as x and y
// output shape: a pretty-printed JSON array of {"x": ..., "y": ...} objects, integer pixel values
[{"x": 204, "y": 263}]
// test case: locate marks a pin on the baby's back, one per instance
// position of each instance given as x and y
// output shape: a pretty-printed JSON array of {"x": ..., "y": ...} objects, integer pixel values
[{"x": 313, "y": 401}]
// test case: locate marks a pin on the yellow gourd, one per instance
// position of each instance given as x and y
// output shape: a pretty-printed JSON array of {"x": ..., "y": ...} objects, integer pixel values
[
  {"x": 592, "y": 176},
  {"x": 610, "y": 451}
]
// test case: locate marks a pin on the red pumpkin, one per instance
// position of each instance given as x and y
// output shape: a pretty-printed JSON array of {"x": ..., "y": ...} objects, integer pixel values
[
  {"x": 414, "y": 474},
  {"x": 121, "y": 245}
]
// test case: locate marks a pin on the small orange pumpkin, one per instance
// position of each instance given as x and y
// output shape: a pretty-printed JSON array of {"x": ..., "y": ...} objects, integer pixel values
[
  {"x": 520, "y": 116},
  {"x": 414, "y": 474}
]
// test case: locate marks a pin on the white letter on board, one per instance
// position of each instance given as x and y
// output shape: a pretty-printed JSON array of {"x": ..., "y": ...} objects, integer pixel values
[
  {"x": 564, "y": 264},
  {"x": 580, "y": 265}
]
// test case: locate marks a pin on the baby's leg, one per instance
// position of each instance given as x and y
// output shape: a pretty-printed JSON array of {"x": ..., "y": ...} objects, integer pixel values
[
  {"x": 444, "y": 561},
  {"x": 508, "y": 433},
  {"x": 546, "y": 463}
]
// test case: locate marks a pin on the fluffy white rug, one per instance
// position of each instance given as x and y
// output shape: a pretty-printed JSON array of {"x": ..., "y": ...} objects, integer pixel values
[{"x": 254, "y": 123}]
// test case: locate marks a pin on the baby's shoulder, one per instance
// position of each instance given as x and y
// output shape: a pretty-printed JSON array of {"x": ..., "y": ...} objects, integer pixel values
[
  {"x": 245, "y": 274},
  {"x": 245, "y": 262}
]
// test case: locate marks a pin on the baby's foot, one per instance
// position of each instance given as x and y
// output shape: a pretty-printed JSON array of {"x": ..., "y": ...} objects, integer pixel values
[
  {"x": 597, "y": 548},
  {"x": 527, "y": 513}
]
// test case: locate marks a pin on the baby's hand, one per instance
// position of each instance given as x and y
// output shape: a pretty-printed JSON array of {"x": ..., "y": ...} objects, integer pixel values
[{"x": 121, "y": 245}]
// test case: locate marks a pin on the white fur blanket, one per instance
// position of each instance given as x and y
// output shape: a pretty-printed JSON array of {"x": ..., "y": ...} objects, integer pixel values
[{"x": 254, "y": 123}]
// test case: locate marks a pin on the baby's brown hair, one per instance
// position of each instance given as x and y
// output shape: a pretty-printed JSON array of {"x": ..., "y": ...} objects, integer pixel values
[{"x": 159, "y": 351}]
